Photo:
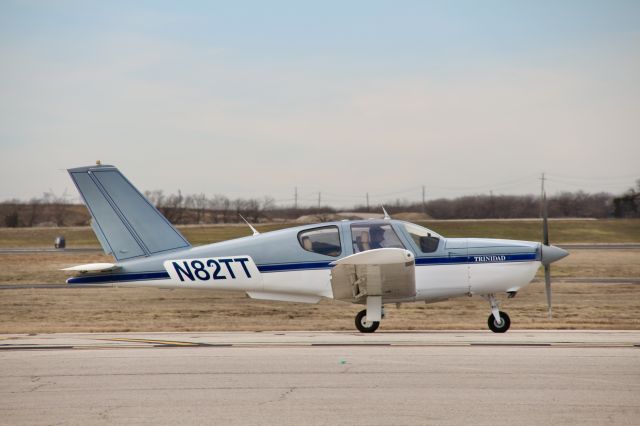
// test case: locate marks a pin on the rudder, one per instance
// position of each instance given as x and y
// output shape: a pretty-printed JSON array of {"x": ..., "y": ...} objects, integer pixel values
[{"x": 125, "y": 222}]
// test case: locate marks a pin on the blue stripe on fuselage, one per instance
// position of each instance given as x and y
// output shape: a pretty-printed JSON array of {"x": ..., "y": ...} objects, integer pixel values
[
  {"x": 304, "y": 266},
  {"x": 110, "y": 278},
  {"x": 473, "y": 259},
  {"x": 282, "y": 267}
]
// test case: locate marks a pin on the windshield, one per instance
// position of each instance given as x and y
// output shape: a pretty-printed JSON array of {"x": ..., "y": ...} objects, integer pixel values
[{"x": 426, "y": 240}]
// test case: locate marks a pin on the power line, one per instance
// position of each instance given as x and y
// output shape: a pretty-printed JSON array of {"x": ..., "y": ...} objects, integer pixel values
[
  {"x": 581, "y": 185},
  {"x": 596, "y": 178},
  {"x": 418, "y": 193}
]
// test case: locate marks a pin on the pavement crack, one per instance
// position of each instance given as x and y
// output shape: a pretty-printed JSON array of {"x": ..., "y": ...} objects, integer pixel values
[
  {"x": 105, "y": 414},
  {"x": 286, "y": 394},
  {"x": 37, "y": 384},
  {"x": 346, "y": 369},
  {"x": 283, "y": 396}
]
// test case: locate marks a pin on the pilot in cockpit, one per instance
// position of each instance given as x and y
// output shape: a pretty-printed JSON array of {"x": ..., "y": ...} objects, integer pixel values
[{"x": 376, "y": 235}]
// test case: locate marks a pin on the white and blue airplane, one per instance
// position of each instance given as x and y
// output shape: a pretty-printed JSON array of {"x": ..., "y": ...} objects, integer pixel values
[{"x": 367, "y": 262}]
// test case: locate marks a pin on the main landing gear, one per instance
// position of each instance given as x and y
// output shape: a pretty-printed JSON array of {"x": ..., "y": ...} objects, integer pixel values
[
  {"x": 498, "y": 321},
  {"x": 365, "y": 326}
]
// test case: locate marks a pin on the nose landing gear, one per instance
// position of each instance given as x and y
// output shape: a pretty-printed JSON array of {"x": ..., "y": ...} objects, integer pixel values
[
  {"x": 499, "y": 326},
  {"x": 498, "y": 321}
]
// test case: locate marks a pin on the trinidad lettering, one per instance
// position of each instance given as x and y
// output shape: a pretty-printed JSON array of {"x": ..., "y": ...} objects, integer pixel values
[{"x": 489, "y": 258}]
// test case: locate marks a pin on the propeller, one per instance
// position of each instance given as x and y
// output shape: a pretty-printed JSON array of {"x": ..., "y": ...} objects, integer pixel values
[
  {"x": 549, "y": 253},
  {"x": 545, "y": 241}
]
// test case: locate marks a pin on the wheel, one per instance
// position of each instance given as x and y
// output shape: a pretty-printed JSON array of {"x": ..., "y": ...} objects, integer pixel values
[
  {"x": 499, "y": 328},
  {"x": 365, "y": 326}
]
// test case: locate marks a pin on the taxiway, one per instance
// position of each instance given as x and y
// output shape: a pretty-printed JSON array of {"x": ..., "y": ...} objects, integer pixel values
[{"x": 521, "y": 377}]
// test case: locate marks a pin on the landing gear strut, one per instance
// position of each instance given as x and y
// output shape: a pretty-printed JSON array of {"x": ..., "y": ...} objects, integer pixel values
[
  {"x": 365, "y": 326},
  {"x": 498, "y": 321}
]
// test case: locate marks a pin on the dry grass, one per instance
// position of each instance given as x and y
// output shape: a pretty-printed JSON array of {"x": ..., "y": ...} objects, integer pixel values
[
  {"x": 579, "y": 306},
  {"x": 598, "y": 264},
  {"x": 83, "y": 236},
  {"x": 43, "y": 268},
  {"x": 77, "y": 237},
  {"x": 561, "y": 231},
  {"x": 576, "y": 306}
]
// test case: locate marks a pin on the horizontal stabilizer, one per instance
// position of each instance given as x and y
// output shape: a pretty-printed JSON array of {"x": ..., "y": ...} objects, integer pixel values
[{"x": 92, "y": 268}]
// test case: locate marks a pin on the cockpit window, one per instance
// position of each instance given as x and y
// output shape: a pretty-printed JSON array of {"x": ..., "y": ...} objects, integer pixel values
[
  {"x": 426, "y": 240},
  {"x": 368, "y": 236},
  {"x": 325, "y": 240}
]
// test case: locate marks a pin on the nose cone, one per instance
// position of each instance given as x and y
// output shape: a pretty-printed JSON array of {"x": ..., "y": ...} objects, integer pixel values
[{"x": 552, "y": 254}]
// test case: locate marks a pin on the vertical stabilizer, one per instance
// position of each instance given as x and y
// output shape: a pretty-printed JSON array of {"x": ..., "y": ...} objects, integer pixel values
[{"x": 125, "y": 222}]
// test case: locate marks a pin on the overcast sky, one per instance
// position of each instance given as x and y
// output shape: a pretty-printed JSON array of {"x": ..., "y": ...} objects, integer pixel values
[{"x": 347, "y": 97}]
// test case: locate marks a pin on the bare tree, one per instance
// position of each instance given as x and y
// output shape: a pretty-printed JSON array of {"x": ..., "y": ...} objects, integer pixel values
[
  {"x": 58, "y": 205},
  {"x": 173, "y": 207},
  {"x": 628, "y": 204},
  {"x": 220, "y": 206},
  {"x": 156, "y": 197},
  {"x": 33, "y": 212},
  {"x": 199, "y": 205}
]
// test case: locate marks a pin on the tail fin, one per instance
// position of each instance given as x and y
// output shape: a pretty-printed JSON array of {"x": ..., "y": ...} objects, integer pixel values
[{"x": 125, "y": 222}]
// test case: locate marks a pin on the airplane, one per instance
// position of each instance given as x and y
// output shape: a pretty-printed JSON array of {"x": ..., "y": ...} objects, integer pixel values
[{"x": 367, "y": 262}]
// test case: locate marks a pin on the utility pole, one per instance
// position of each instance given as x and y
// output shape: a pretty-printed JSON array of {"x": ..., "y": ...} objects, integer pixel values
[
  {"x": 295, "y": 198},
  {"x": 367, "y": 201},
  {"x": 542, "y": 179},
  {"x": 319, "y": 199},
  {"x": 424, "y": 204}
]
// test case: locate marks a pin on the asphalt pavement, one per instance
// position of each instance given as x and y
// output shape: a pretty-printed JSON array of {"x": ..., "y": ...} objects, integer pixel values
[{"x": 322, "y": 378}]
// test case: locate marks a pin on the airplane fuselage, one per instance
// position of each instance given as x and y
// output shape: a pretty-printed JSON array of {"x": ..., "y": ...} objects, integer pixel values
[{"x": 277, "y": 265}]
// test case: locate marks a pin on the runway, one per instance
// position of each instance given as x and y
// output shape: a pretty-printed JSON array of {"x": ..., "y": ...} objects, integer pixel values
[{"x": 388, "y": 378}]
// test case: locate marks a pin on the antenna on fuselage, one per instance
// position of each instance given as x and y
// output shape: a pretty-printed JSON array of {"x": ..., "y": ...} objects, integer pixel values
[
  {"x": 255, "y": 231},
  {"x": 386, "y": 215}
]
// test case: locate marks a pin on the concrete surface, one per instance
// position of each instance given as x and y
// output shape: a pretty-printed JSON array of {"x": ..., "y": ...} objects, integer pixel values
[{"x": 388, "y": 378}]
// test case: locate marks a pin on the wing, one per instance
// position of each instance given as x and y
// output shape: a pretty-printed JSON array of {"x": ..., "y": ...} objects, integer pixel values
[{"x": 374, "y": 275}]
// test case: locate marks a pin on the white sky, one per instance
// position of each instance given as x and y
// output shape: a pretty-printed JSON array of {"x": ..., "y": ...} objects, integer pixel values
[{"x": 249, "y": 100}]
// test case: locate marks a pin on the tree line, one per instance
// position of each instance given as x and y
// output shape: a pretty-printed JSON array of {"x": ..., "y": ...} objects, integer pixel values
[{"x": 178, "y": 208}]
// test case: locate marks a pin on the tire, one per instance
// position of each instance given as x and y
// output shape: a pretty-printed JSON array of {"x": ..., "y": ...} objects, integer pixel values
[
  {"x": 363, "y": 326},
  {"x": 499, "y": 328}
]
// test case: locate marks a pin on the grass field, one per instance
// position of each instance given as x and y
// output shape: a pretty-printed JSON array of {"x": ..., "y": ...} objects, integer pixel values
[
  {"x": 118, "y": 309},
  {"x": 576, "y": 306},
  {"x": 561, "y": 231}
]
